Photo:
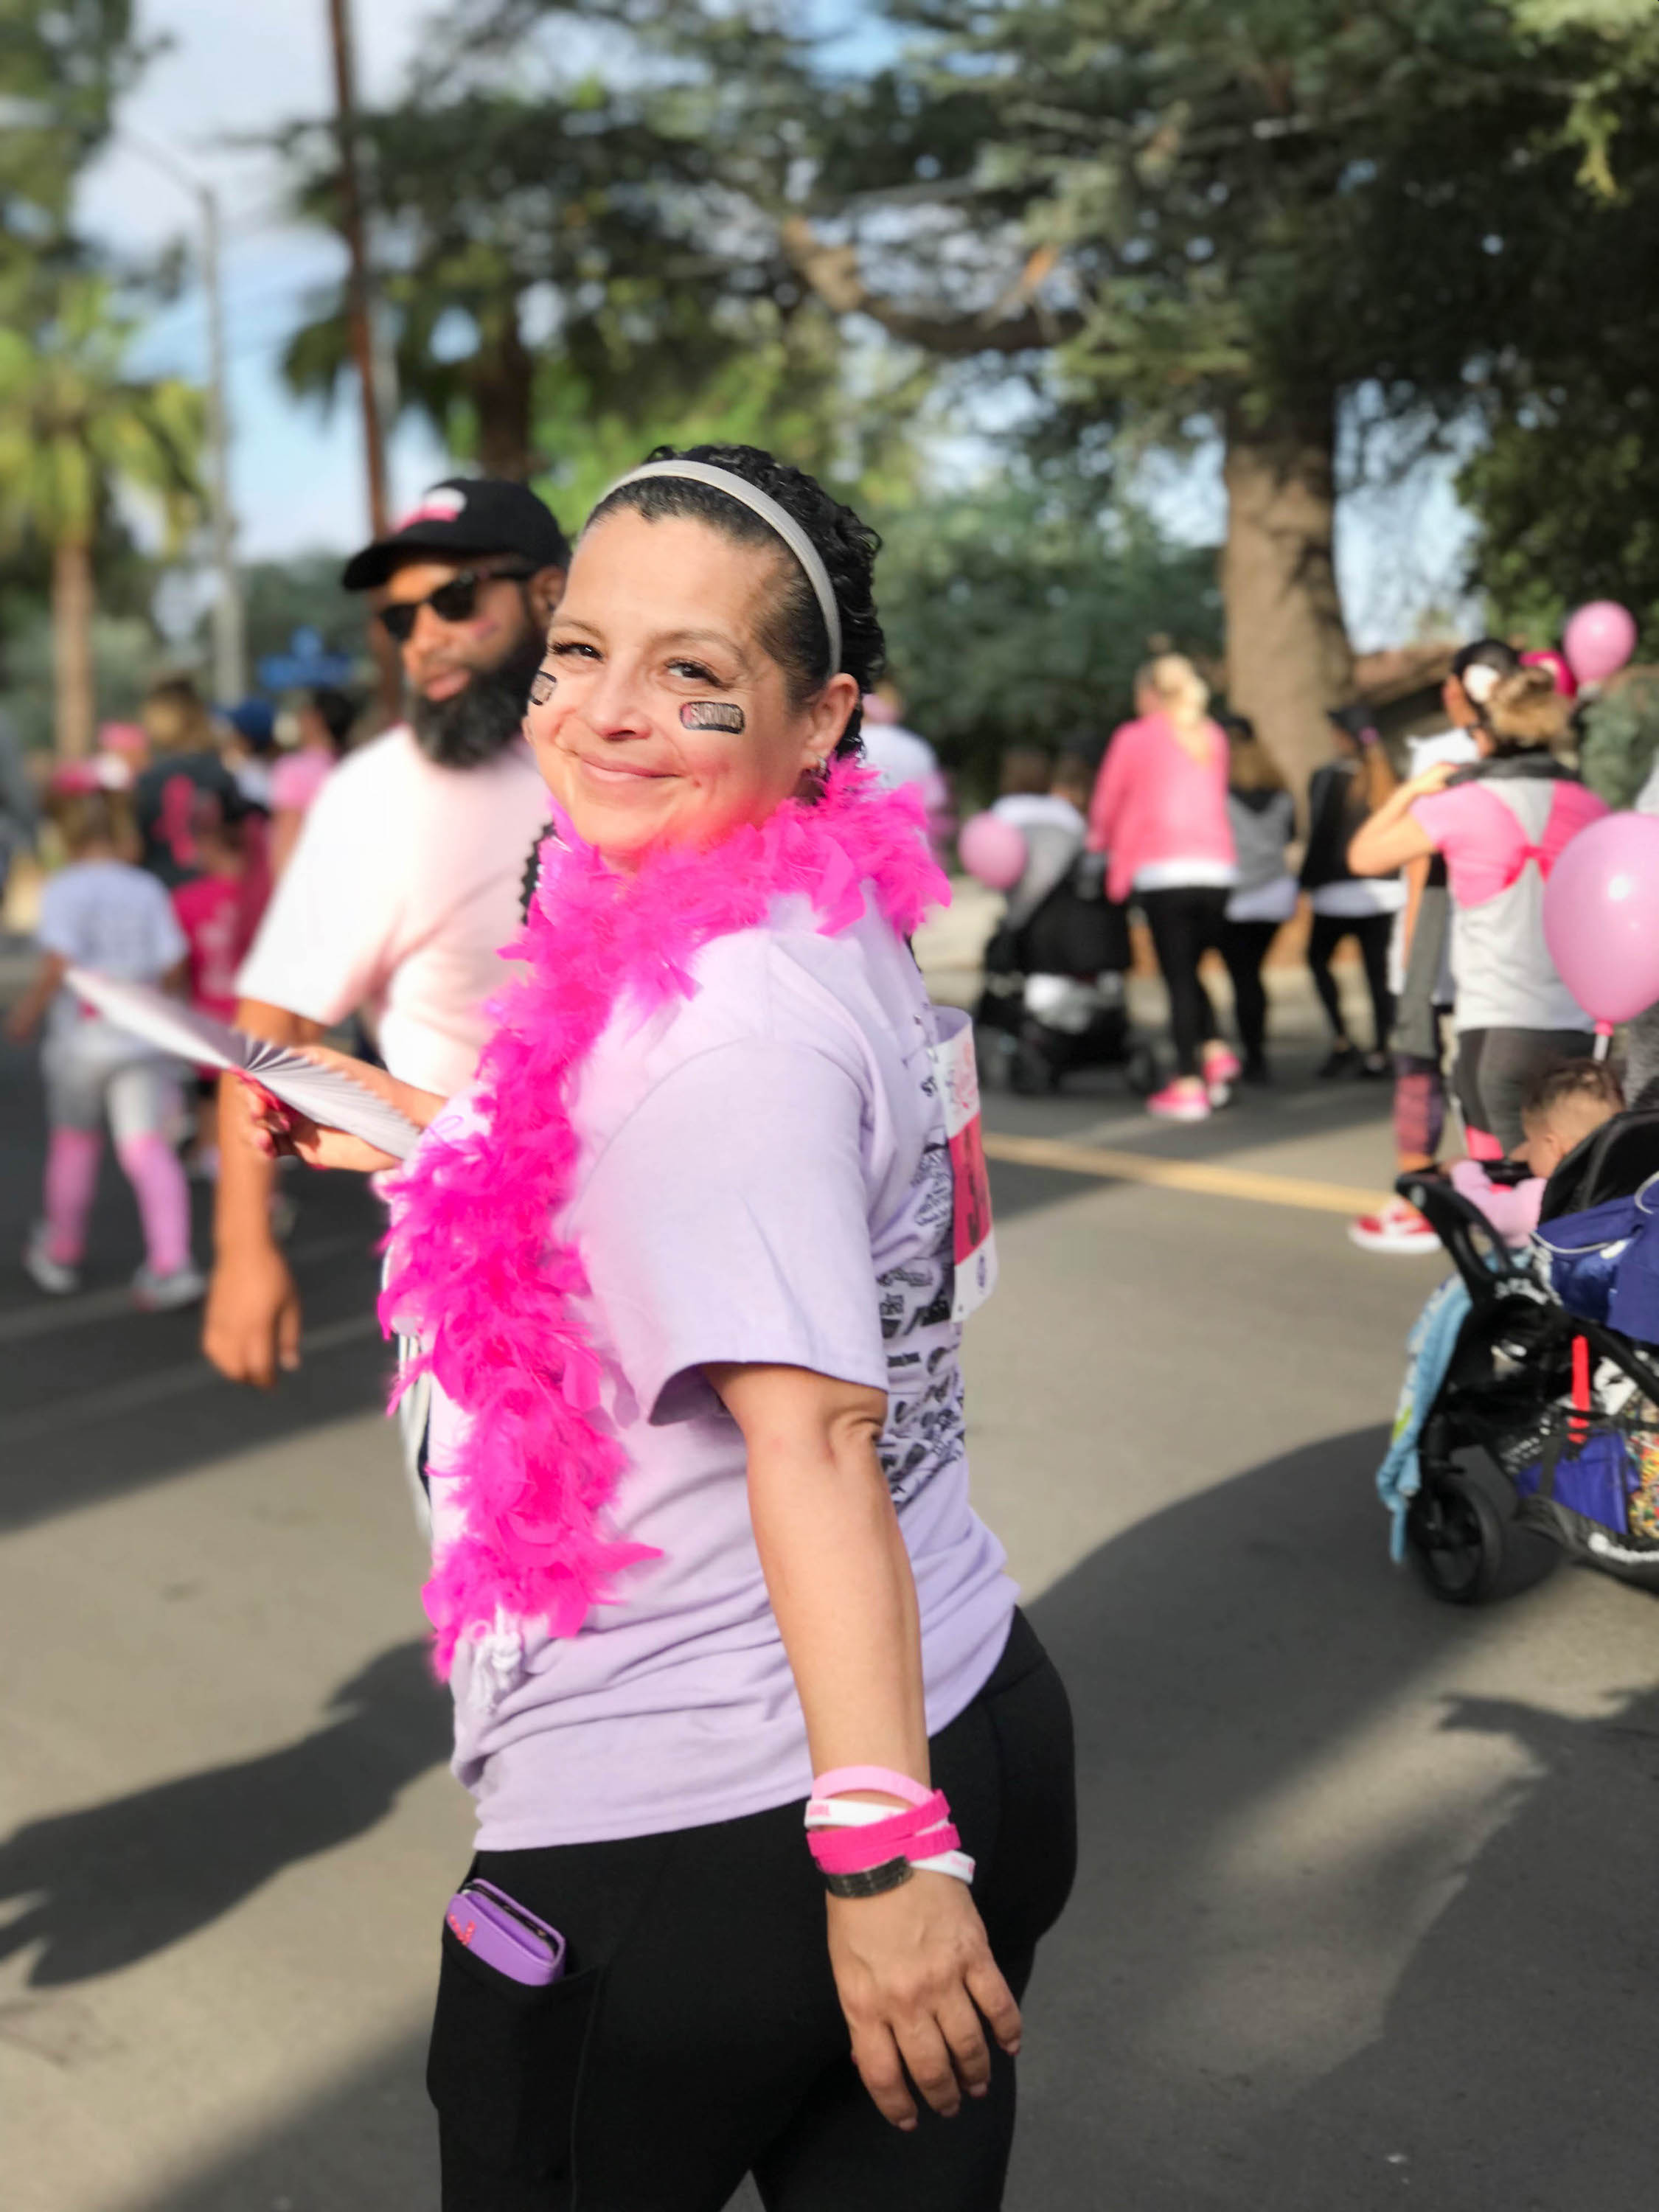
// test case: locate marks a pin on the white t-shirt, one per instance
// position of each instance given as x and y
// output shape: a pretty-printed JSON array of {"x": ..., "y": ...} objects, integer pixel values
[
  {"x": 107, "y": 916},
  {"x": 897, "y": 754},
  {"x": 1354, "y": 898},
  {"x": 763, "y": 1176},
  {"x": 403, "y": 887},
  {"x": 1035, "y": 809}
]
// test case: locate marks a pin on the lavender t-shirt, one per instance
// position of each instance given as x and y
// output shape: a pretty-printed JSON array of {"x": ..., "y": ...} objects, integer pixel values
[{"x": 763, "y": 1178}]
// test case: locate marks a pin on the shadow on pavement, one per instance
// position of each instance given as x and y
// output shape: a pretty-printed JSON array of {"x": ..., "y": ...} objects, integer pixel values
[
  {"x": 111, "y": 1884},
  {"x": 1217, "y": 1653}
]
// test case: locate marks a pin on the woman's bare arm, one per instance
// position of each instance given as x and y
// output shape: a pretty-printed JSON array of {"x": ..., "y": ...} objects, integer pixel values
[
  {"x": 913, "y": 1967},
  {"x": 1391, "y": 839}
]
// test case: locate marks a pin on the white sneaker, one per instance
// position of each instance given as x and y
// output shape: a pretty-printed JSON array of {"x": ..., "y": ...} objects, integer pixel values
[
  {"x": 1397, "y": 1228},
  {"x": 153, "y": 1293},
  {"x": 47, "y": 1274}
]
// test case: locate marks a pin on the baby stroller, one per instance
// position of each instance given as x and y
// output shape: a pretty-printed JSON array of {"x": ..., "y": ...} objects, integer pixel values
[
  {"x": 1546, "y": 1416},
  {"x": 1054, "y": 999}
]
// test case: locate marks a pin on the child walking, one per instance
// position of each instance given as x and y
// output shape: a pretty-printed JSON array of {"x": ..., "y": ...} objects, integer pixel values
[{"x": 102, "y": 912}]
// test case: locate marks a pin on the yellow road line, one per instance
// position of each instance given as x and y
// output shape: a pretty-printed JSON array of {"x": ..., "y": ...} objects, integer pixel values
[{"x": 1181, "y": 1174}]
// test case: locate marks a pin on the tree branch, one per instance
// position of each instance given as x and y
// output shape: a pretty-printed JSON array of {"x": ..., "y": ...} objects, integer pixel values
[{"x": 1016, "y": 323}]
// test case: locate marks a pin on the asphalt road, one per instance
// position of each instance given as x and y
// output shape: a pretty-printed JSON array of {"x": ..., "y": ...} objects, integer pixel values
[{"x": 1364, "y": 1916}]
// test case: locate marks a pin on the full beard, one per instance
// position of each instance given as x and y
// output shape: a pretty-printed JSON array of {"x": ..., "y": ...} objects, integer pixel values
[{"x": 479, "y": 722}]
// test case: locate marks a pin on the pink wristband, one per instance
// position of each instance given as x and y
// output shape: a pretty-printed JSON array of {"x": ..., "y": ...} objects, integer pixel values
[
  {"x": 918, "y": 1831},
  {"x": 841, "y": 1779}
]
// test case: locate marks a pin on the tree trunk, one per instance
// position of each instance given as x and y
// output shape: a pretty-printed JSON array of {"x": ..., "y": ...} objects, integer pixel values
[
  {"x": 503, "y": 383},
  {"x": 74, "y": 693},
  {"x": 1288, "y": 655}
]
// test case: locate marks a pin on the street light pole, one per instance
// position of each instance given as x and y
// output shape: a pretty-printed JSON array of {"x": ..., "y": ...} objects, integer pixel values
[
  {"x": 229, "y": 632},
  {"x": 230, "y": 635}
]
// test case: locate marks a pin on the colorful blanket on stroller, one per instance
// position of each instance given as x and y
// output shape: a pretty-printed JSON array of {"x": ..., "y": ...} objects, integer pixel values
[{"x": 1429, "y": 1350}]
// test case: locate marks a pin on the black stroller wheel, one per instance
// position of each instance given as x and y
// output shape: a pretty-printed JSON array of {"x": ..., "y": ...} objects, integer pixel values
[
  {"x": 1141, "y": 1070},
  {"x": 1455, "y": 1539},
  {"x": 1033, "y": 1069}
]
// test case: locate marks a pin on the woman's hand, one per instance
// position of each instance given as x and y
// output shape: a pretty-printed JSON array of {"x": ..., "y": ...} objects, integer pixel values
[
  {"x": 913, "y": 1972},
  {"x": 277, "y": 1129},
  {"x": 1424, "y": 783}
]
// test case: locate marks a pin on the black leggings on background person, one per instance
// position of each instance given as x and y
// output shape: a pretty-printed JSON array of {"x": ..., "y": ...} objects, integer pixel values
[
  {"x": 1372, "y": 934},
  {"x": 1186, "y": 922},
  {"x": 697, "y": 2036},
  {"x": 1244, "y": 947}
]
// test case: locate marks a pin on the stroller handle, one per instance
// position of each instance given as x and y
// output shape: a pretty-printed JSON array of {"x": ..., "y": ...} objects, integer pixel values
[{"x": 1457, "y": 1222}]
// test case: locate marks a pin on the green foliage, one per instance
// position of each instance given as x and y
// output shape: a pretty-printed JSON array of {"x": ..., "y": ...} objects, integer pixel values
[
  {"x": 127, "y": 657},
  {"x": 545, "y": 256},
  {"x": 1015, "y": 616},
  {"x": 279, "y": 596},
  {"x": 74, "y": 426},
  {"x": 794, "y": 389},
  {"x": 61, "y": 71},
  {"x": 1619, "y": 742}
]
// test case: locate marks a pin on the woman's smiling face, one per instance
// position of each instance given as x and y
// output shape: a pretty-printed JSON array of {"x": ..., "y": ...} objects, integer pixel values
[{"x": 659, "y": 716}]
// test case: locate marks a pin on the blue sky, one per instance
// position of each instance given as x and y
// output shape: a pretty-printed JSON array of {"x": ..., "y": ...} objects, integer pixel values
[{"x": 239, "y": 67}]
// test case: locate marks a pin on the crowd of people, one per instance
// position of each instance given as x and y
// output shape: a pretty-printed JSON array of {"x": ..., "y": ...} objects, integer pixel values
[
  {"x": 166, "y": 841},
  {"x": 1438, "y": 877}
]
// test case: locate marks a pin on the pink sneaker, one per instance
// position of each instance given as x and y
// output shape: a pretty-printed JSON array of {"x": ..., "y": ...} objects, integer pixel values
[
  {"x": 1186, "y": 1099},
  {"x": 1397, "y": 1228},
  {"x": 1222, "y": 1069}
]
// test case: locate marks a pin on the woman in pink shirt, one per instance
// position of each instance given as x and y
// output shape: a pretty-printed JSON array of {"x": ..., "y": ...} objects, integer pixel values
[{"x": 1160, "y": 812}]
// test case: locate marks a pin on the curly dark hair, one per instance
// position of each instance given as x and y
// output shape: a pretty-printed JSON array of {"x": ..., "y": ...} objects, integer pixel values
[{"x": 792, "y": 627}]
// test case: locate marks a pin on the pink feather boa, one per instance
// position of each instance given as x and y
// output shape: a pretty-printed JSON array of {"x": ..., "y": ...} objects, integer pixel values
[{"x": 476, "y": 1271}]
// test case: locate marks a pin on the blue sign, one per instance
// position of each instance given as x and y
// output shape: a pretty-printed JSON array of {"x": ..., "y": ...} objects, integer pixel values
[{"x": 307, "y": 666}]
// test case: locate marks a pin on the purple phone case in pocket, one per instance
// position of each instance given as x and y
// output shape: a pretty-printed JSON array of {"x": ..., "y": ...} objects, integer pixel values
[{"x": 505, "y": 1934}]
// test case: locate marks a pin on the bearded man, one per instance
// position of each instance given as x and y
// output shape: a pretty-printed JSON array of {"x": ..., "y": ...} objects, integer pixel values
[{"x": 404, "y": 881}]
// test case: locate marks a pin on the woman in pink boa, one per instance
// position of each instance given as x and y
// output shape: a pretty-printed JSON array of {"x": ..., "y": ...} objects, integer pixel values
[{"x": 687, "y": 1267}]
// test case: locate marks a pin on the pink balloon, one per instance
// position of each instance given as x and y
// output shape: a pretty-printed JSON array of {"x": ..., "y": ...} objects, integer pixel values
[
  {"x": 1602, "y": 916},
  {"x": 992, "y": 850},
  {"x": 1598, "y": 639}
]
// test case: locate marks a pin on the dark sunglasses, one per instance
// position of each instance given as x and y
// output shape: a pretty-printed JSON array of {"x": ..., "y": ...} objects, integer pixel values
[{"x": 457, "y": 601}]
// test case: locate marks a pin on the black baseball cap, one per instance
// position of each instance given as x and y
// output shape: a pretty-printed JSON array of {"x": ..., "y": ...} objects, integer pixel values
[{"x": 462, "y": 516}]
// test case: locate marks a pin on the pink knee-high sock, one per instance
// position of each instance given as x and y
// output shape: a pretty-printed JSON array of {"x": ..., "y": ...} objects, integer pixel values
[
  {"x": 158, "y": 1182},
  {"x": 72, "y": 1157}
]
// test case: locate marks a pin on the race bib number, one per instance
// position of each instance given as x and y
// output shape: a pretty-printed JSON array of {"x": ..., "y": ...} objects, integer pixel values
[{"x": 973, "y": 1243}]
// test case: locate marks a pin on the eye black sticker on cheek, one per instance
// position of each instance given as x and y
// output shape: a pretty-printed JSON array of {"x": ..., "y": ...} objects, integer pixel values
[
  {"x": 713, "y": 714},
  {"x": 543, "y": 685}
]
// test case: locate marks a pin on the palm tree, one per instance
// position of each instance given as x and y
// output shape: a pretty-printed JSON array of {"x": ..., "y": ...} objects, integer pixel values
[{"x": 75, "y": 429}]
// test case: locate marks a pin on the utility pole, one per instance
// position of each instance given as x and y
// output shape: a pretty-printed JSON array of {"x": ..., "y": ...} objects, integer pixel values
[{"x": 359, "y": 309}]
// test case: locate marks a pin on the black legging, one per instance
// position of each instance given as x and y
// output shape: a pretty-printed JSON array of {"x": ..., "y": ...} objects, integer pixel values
[
  {"x": 697, "y": 2036},
  {"x": 1372, "y": 934},
  {"x": 1186, "y": 922},
  {"x": 1244, "y": 947}
]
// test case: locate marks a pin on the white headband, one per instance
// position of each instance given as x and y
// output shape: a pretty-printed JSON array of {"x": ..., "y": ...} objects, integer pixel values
[{"x": 774, "y": 517}]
